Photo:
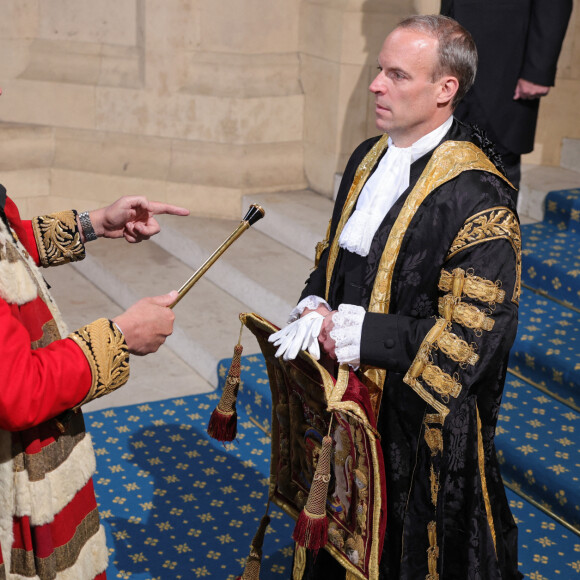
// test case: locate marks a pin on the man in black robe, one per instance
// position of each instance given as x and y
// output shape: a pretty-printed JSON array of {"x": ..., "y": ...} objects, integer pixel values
[{"x": 417, "y": 287}]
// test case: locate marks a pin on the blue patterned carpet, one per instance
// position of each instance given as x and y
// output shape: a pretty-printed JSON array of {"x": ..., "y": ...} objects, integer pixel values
[{"x": 176, "y": 504}]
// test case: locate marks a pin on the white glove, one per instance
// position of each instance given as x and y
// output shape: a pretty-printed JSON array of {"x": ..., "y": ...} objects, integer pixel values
[{"x": 302, "y": 334}]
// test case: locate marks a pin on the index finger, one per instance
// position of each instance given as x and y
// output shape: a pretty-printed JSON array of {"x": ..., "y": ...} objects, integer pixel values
[{"x": 157, "y": 208}]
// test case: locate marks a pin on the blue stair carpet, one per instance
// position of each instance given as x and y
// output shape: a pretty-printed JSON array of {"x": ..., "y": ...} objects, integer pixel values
[
  {"x": 177, "y": 504},
  {"x": 538, "y": 442},
  {"x": 551, "y": 249},
  {"x": 546, "y": 351}
]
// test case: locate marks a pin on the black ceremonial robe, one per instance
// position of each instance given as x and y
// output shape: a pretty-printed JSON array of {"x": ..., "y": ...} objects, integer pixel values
[{"x": 441, "y": 286}]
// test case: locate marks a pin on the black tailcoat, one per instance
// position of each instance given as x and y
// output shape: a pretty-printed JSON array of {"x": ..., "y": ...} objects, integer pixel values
[{"x": 515, "y": 39}]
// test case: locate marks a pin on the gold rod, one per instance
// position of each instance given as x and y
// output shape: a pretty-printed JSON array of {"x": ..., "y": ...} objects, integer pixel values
[
  {"x": 254, "y": 214},
  {"x": 209, "y": 262}
]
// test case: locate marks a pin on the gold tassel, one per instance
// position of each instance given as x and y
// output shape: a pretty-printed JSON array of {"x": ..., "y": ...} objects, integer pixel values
[
  {"x": 311, "y": 529},
  {"x": 254, "y": 561},
  {"x": 223, "y": 423}
]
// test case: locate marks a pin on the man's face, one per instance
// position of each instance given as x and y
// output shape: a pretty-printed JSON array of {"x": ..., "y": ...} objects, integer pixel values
[{"x": 406, "y": 98}]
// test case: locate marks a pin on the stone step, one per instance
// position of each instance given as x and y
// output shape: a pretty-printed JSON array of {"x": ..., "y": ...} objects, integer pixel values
[
  {"x": 257, "y": 270},
  {"x": 297, "y": 219},
  {"x": 537, "y": 181},
  {"x": 154, "y": 377},
  {"x": 207, "y": 324},
  {"x": 570, "y": 156}
]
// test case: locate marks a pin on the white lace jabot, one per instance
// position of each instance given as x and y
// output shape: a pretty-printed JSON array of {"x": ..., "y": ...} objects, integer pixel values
[{"x": 383, "y": 188}]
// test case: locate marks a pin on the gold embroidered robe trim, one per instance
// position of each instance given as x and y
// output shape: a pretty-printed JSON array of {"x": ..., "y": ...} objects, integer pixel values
[
  {"x": 449, "y": 160},
  {"x": 465, "y": 314},
  {"x": 421, "y": 367},
  {"x": 105, "y": 348},
  {"x": 321, "y": 246},
  {"x": 461, "y": 283},
  {"x": 492, "y": 224},
  {"x": 481, "y": 462},
  {"x": 58, "y": 238}
]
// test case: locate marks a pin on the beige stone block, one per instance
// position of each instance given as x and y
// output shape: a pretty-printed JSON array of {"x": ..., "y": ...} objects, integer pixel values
[
  {"x": 25, "y": 146},
  {"x": 558, "y": 118},
  {"x": 321, "y": 81},
  {"x": 321, "y": 31},
  {"x": 113, "y": 153},
  {"x": 105, "y": 21},
  {"x": 173, "y": 25},
  {"x": 250, "y": 26},
  {"x": 204, "y": 118},
  {"x": 171, "y": 33},
  {"x": 248, "y": 167},
  {"x": 353, "y": 102},
  {"x": 34, "y": 206},
  {"x": 83, "y": 63},
  {"x": 270, "y": 119},
  {"x": 48, "y": 103},
  {"x": 14, "y": 59},
  {"x": 243, "y": 75},
  {"x": 570, "y": 54},
  {"x": 121, "y": 66},
  {"x": 24, "y": 184},
  {"x": 427, "y": 6},
  {"x": 63, "y": 61},
  {"x": 363, "y": 34},
  {"x": 319, "y": 167},
  {"x": 105, "y": 189},
  {"x": 20, "y": 18},
  {"x": 206, "y": 201},
  {"x": 403, "y": 7}
]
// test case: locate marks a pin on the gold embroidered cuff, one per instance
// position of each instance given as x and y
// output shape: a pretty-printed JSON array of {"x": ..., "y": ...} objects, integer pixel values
[
  {"x": 104, "y": 346},
  {"x": 58, "y": 238},
  {"x": 461, "y": 284},
  {"x": 464, "y": 314}
]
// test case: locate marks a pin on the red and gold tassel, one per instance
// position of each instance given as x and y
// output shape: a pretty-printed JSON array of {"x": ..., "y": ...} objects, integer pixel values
[
  {"x": 311, "y": 529},
  {"x": 223, "y": 423},
  {"x": 254, "y": 561}
]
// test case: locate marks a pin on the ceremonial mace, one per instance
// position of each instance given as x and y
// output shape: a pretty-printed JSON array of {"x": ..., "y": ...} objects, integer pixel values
[{"x": 254, "y": 213}]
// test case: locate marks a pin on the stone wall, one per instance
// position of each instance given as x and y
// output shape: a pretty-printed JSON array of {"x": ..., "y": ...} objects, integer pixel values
[
  {"x": 199, "y": 102},
  {"x": 196, "y": 102}
]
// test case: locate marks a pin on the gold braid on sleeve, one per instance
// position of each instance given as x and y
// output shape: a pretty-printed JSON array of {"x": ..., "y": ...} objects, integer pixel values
[
  {"x": 321, "y": 246},
  {"x": 104, "y": 346},
  {"x": 58, "y": 238},
  {"x": 463, "y": 283}
]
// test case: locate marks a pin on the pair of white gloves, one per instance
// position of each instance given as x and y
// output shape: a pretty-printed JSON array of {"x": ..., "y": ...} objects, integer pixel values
[{"x": 302, "y": 333}]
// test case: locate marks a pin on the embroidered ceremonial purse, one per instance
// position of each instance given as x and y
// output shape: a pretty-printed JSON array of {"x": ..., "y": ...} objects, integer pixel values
[{"x": 307, "y": 404}]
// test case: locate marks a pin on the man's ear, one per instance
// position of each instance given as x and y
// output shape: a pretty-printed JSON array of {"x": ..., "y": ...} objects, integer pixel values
[{"x": 448, "y": 88}]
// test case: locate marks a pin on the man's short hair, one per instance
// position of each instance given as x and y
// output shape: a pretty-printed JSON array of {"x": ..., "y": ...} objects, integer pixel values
[{"x": 457, "y": 54}]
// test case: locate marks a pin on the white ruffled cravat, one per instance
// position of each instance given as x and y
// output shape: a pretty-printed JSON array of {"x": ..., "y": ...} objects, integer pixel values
[{"x": 383, "y": 188}]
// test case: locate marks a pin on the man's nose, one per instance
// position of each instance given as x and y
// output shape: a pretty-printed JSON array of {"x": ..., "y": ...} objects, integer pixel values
[{"x": 376, "y": 86}]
